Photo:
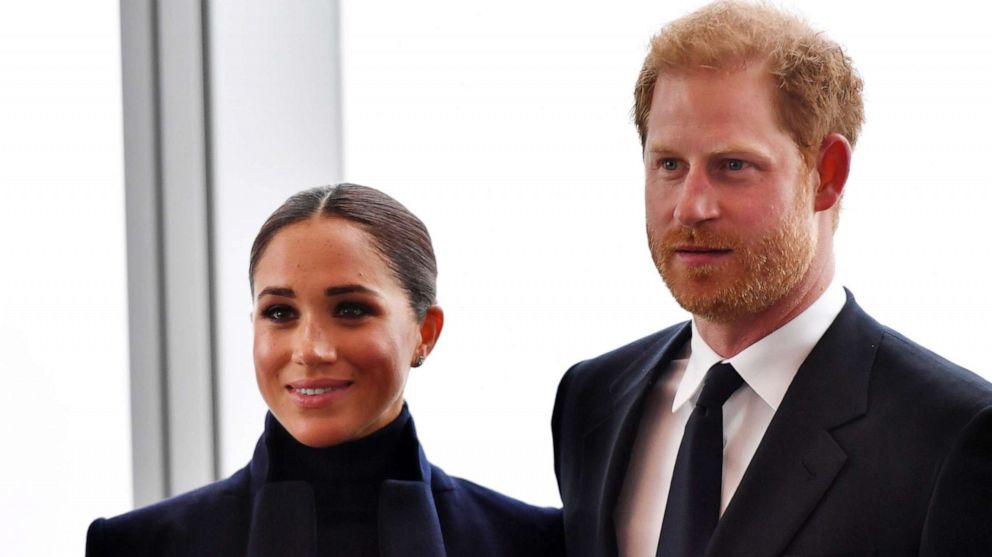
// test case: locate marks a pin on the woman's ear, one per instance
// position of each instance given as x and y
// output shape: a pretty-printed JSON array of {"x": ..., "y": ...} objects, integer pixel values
[
  {"x": 430, "y": 330},
  {"x": 833, "y": 163}
]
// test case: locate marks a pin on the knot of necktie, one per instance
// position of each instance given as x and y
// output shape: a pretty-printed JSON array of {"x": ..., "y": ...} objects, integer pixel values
[{"x": 721, "y": 381}]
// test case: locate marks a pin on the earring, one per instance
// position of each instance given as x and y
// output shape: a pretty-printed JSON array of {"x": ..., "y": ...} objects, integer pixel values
[{"x": 419, "y": 361}]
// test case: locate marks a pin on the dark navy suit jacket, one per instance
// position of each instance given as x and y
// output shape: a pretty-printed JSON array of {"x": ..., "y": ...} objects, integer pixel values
[
  {"x": 243, "y": 515},
  {"x": 880, "y": 447}
]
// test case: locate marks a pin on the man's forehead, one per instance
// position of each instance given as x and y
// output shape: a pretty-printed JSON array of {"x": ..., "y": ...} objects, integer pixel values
[
  {"x": 716, "y": 113},
  {"x": 713, "y": 94}
]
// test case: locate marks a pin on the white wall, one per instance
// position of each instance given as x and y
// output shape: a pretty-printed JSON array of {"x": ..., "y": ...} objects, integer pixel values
[
  {"x": 506, "y": 127},
  {"x": 63, "y": 334},
  {"x": 275, "y": 120}
]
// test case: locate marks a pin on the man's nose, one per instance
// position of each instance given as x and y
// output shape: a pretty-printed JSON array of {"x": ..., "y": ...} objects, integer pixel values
[
  {"x": 697, "y": 201},
  {"x": 314, "y": 344}
]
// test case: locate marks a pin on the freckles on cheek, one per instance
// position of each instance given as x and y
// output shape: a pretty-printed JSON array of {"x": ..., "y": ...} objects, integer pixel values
[
  {"x": 378, "y": 356},
  {"x": 377, "y": 353},
  {"x": 265, "y": 353}
]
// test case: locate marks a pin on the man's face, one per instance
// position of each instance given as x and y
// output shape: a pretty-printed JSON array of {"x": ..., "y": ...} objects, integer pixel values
[{"x": 728, "y": 201}]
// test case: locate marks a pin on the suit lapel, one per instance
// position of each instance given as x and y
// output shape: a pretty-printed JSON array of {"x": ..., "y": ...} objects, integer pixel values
[
  {"x": 798, "y": 459},
  {"x": 611, "y": 434},
  {"x": 782, "y": 486}
]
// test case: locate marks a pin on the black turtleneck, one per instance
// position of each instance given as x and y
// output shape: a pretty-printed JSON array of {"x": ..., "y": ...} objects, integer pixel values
[{"x": 346, "y": 480}]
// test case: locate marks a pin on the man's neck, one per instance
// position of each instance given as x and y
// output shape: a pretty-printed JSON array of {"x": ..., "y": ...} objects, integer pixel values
[{"x": 730, "y": 338}]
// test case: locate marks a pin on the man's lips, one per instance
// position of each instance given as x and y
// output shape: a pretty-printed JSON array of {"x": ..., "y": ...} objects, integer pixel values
[
  {"x": 701, "y": 255},
  {"x": 701, "y": 249}
]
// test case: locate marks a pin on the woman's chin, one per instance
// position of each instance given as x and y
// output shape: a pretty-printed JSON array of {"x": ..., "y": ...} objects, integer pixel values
[
  {"x": 325, "y": 431},
  {"x": 318, "y": 433}
]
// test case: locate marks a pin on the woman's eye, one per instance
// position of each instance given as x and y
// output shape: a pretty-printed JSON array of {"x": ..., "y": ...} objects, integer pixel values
[
  {"x": 279, "y": 313},
  {"x": 351, "y": 310}
]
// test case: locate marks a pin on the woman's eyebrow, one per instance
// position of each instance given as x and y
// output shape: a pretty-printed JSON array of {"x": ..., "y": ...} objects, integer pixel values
[
  {"x": 277, "y": 291},
  {"x": 348, "y": 289}
]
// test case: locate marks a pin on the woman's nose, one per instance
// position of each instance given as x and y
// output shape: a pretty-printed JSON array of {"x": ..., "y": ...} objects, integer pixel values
[
  {"x": 314, "y": 345},
  {"x": 697, "y": 201}
]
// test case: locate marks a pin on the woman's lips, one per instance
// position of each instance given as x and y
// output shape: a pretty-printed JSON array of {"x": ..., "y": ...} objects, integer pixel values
[{"x": 318, "y": 393}]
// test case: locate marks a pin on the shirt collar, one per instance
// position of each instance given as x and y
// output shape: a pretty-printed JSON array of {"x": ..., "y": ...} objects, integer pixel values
[{"x": 769, "y": 365}]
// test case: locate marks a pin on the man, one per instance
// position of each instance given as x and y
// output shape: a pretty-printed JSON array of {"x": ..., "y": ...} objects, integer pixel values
[{"x": 827, "y": 433}]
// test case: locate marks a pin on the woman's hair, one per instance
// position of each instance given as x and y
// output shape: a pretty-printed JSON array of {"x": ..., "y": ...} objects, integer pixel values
[
  {"x": 819, "y": 91},
  {"x": 397, "y": 234}
]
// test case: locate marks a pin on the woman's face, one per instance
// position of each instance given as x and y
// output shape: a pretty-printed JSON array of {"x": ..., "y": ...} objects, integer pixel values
[{"x": 334, "y": 332}]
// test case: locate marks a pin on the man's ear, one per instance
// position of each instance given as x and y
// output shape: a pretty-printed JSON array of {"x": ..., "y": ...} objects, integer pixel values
[
  {"x": 430, "y": 329},
  {"x": 833, "y": 163}
]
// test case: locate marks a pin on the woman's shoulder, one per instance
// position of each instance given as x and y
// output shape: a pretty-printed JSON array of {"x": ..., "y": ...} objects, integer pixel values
[
  {"x": 470, "y": 512},
  {"x": 213, "y": 515}
]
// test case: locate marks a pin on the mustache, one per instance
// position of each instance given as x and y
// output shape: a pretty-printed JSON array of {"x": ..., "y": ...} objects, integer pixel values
[{"x": 680, "y": 237}]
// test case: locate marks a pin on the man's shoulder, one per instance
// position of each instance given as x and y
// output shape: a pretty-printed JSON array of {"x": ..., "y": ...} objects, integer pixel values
[
  {"x": 917, "y": 369},
  {"x": 206, "y": 512},
  {"x": 591, "y": 384},
  {"x": 896, "y": 379},
  {"x": 608, "y": 363}
]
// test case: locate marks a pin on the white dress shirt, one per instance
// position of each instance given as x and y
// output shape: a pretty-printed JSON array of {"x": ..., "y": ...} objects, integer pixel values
[{"x": 767, "y": 367}]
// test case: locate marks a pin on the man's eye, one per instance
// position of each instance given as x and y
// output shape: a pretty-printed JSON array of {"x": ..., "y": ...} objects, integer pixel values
[
  {"x": 669, "y": 164},
  {"x": 352, "y": 310},
  {"x": 279, "y": 313},
  {"x": 735, "y": 164}
]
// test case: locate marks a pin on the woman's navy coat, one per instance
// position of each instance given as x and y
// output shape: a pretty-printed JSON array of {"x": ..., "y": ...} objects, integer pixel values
[{"x": 243, "y": 515}]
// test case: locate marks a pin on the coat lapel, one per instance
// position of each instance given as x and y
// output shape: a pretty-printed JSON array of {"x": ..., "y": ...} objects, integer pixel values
[
  {"x": 283, "y": 518},
  {"x": 284, "y": 513},
  {"x": 408, "y": 521},
  {"x": 612, "y": 433},
  {"x": 798, "y": 459}
]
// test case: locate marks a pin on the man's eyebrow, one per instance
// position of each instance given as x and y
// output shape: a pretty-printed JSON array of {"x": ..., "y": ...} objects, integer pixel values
[
  {"x": 718, "y": 151},
  {"x": 277, "y": 291},
  {"x": 348, "y": 289},
  {"x": 657, "y": 148},
  {"x": 740, "y": 148}
]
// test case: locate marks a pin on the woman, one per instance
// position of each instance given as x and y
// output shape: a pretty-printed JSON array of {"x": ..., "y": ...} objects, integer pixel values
[{"x": 343, "y": 282}]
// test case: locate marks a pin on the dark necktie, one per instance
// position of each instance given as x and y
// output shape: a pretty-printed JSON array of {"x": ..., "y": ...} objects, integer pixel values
[{"x": 693, "y": 508}]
